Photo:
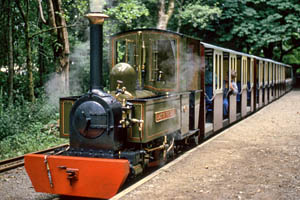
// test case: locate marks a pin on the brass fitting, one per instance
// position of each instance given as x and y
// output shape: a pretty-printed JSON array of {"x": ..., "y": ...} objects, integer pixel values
[
  {"x": 140, "y": 122},
  {"x": 96, "y": 18}
]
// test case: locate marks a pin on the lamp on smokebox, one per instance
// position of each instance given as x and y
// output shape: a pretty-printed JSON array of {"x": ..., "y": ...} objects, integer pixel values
[{"x": 96, "y": 18}]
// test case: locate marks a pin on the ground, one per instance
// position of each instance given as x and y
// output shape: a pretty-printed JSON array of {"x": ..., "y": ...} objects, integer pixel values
[{"x": 258, "y": 158}]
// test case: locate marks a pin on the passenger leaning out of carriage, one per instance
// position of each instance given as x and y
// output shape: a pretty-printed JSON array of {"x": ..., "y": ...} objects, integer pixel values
[{"x": 233, "y": 90}]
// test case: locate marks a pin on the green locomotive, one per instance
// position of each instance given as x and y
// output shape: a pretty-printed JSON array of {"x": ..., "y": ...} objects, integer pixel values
[{"x": 156, "y": 75}]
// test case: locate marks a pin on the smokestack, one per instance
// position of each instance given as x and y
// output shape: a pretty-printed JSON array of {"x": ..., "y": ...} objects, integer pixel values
[{"x": 96, "y": 19}]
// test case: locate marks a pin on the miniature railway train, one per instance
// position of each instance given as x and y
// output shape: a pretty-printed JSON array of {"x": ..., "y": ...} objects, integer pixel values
[{"x": 166, "y": 90}]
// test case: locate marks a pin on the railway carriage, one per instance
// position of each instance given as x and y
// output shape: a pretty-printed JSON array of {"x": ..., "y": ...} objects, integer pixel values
[{"x": 166, "y": 90}]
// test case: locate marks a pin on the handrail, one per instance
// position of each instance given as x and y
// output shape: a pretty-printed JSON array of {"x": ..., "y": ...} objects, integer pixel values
[
  {"x": 240, "y": 91},
  {"x": 209, "y": 98},
  {"x": 227, "y": 94},
  {"x": 249, "y": 90}
]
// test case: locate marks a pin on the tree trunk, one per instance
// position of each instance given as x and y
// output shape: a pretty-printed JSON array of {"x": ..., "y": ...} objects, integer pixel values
[
  {"x": 165, "y": 15},
  {"x": 63, "y": 38},
  {"x": 28, "y": 59},
  {"x": 51, "y": 18},
  {"x": 296, "y": 44},
  {"x": 179, "y": 19},
  {"x": 10, "y": 55},
  {"x": 268, "y": 51},
  {"x": 30, "y": 82},
  {"x": 41, "y": 57}
]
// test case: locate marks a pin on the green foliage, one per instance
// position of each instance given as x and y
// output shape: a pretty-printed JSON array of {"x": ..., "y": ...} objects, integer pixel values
[
  {"x": 293, "y": 58},
  {"x": 27, "y": 127},
  {"x": 198, "y": 15},
  {"x": 125, "y": 15},
  {"x": 128, "y": 11},
  {"x": 19, "y": 144}
]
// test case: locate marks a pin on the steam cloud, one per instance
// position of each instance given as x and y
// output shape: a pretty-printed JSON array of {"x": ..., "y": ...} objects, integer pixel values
[{"x": 79, "y": 69}]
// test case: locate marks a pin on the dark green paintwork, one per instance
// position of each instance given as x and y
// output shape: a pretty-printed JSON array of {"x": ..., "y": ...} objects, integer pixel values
[{"x": 152, "y": 129}]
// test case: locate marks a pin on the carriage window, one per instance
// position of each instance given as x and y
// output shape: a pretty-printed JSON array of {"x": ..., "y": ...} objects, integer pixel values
[
  {"x": 244, "y": 71},
  {"x": 270, "y": 73},
  {"x": 233, "y": 66},
  {"x": 164, "y": 60},
  {"x": 208, "y": 70},
  {"x": 216, "y": 81},
  {"x": 260, "y": 72},
  {"x": 251, "y": 71},
  {"x": 218, "y": 70},
  {"x": 288, "y": 73},
  {"x": 125, "y": 51},
  {"x": 266, "y": 73},
  {"x": 274, "y": 73}
]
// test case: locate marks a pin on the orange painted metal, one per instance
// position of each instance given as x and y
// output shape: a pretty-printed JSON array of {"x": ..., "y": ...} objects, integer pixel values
[{"x": 76, "y": 176}]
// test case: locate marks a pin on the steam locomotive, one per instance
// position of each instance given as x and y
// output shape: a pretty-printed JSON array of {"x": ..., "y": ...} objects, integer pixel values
[{"x": 167, "y": 90}]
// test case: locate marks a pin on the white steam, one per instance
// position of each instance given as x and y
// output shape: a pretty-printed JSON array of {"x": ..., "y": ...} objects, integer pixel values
[
  {"x": 79, "y": 70},
  {"x": 55, "y": 88}
]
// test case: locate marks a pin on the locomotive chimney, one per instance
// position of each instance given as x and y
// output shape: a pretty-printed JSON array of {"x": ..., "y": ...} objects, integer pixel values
[{"x": 96, "y": 19}]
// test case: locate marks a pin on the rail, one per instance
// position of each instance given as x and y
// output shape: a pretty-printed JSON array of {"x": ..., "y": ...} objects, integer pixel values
[{"x": 12, "y": 163}]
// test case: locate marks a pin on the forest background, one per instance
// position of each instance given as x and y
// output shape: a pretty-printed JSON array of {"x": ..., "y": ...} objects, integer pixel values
[{"x": 44, "y": 50}]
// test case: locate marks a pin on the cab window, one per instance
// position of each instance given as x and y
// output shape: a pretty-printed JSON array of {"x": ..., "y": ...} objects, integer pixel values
[
  {"x": 125, "y": 51},
  {"x": 164, "y": 60}
]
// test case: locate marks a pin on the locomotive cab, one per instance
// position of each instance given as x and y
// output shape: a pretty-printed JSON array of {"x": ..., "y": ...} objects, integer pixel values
[{"x": 158, "y": 73}]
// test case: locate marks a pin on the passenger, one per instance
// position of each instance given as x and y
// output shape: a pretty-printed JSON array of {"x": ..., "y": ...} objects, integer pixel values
[
  {"x": 225, "y": 98},
  {"x": 233, "y": 85},
  {"x": 233, "y": 89}
]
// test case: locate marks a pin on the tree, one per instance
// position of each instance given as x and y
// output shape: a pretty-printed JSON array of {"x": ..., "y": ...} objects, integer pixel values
[
  {"x": 164, "y": 14},
  {"x": 25, "y": 17},
  {"x": 196, "y": 15},
  {"x": 61, "y": 48},
  {"x": 126, "y": 14},
  {"x": 10, "y": 54},
  {"x": 255, "y": 25}
]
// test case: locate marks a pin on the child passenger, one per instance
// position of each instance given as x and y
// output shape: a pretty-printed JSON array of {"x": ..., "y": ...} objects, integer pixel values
[
  {"x": 233, "y": 89},
  {"x": 233, "y": 86}
]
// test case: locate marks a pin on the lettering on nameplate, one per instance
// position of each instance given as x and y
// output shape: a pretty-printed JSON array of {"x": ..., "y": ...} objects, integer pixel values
[{"x": 164, "y": 115}]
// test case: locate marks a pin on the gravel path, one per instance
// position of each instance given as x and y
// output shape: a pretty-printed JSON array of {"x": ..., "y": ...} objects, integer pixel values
[
  {"x": 15, "y": 185},
  {"x": 259, "y": 158}
]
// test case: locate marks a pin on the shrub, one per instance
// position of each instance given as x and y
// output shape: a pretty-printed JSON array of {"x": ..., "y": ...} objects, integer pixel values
[{"x": 27, "y": 127}]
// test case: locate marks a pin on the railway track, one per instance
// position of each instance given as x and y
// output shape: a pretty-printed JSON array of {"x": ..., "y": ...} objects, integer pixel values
[{"x": 12, "y": 163}]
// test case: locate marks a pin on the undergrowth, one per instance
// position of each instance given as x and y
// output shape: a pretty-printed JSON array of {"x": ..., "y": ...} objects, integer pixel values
[{"x": 27, "y": 127}]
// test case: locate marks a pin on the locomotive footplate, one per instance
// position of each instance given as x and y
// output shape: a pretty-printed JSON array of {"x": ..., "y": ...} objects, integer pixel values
[
  {"x": 76, "y": 176},
  {"x": 134, "y": 157}
]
